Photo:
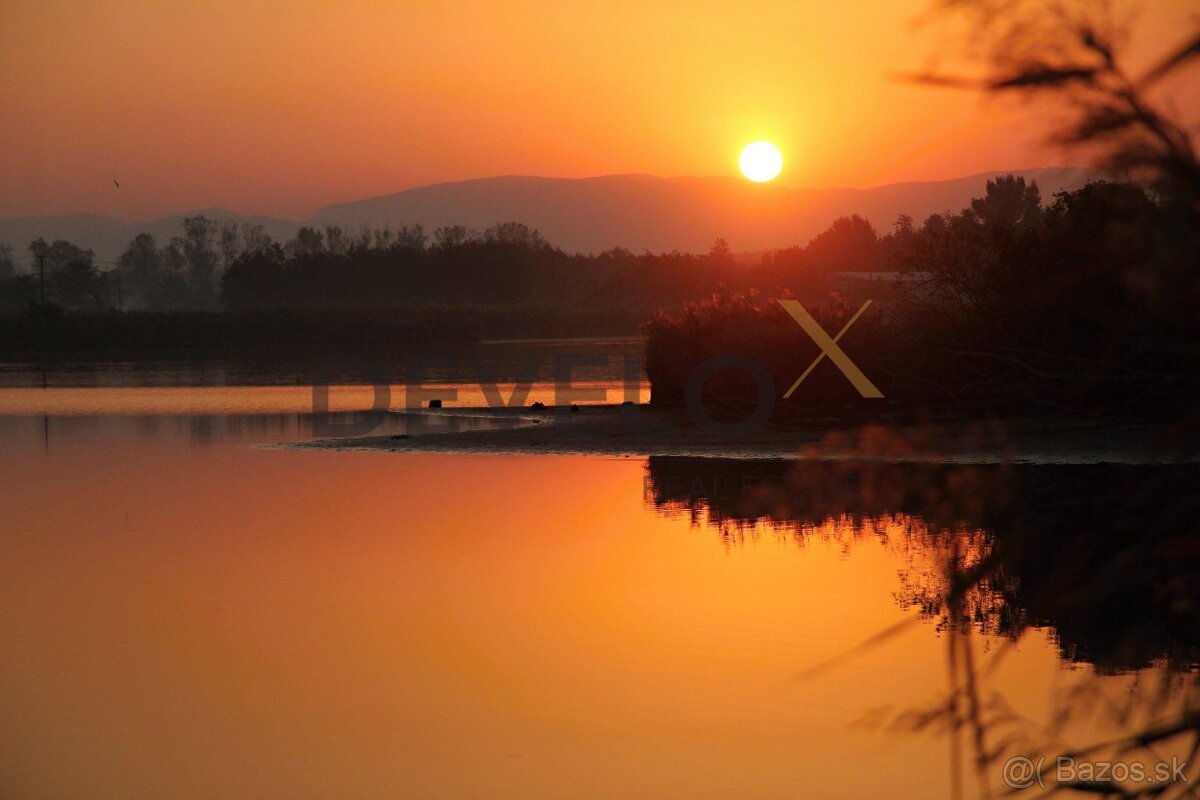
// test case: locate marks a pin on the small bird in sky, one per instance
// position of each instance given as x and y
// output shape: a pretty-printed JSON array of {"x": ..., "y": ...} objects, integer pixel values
[{"x": 116, "y": 184}]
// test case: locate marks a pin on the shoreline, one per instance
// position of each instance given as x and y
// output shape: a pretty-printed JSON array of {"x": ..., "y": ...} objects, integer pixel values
[{"x": 616, "y": 430}]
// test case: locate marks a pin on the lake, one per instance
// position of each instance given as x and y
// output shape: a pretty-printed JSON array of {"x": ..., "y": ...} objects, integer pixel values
[{"x": 190, "y": 611}]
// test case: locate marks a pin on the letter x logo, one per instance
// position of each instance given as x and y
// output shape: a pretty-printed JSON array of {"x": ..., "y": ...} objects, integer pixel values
[{"x": 829, "y": 347}]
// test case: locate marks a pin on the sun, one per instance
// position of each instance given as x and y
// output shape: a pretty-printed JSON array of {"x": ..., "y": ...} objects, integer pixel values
[{"x": 761, "y": 161}]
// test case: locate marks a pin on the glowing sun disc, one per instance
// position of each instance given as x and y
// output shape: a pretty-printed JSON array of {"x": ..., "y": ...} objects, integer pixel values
[{"x": 761, "y": 161}]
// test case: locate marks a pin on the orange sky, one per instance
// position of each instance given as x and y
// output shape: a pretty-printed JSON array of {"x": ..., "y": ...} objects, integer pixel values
[{"x": 281, "y": 107}]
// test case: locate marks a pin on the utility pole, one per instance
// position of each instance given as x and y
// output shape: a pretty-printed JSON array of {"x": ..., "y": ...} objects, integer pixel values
[
  {"x": 120, "y": 294},
  {"x": 41, "y": 280}
]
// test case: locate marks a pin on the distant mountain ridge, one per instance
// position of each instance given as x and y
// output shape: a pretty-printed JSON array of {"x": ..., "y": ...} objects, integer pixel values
[
  {"x": 637, "y": 212},
  {"x": 643, "y": 212}
]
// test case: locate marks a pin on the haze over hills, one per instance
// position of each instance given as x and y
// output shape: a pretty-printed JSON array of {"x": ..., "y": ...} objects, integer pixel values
[
  {"x": 637, "y": 212},
  {"x": 108, "y": 237},
  {"x": 643, "y": 212}
]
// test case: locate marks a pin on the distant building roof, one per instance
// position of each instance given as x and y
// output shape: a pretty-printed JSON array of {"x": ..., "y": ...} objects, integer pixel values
[{"x": 884, "y": 276}]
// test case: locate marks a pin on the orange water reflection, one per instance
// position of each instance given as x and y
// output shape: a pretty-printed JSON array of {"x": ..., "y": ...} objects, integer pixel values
[
  {"x": 228, "y": 621},
  {"x": 132, "y": 401}
]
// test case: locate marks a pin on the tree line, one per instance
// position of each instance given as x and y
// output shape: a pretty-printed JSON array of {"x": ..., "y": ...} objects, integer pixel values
[
  {"x": 1081, "y": 304},
  {"x": 1084, "y": 304},
  {"x": 213, "y": 266}
]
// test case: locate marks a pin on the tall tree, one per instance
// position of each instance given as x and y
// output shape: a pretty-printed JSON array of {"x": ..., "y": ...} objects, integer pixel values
[
  {"x": 230, "y": 243},
  {"x": 450, "y": 237},
  {"x": 1009, "y": 206},
  {"x": 200, "y": 250},
  {"x": 720, "y": 255},
  {"x": 849, "y": 244},
  {"x": 411, "y": 238},
  {"x": 71, "y": 277},
  {"x": 255, "y": 238},
  {"x": 336, "y": 240},
  {"x": 308, "y": 241},
  {"x": 8, "y": 267},
  {"x": 153, "y": 277}
]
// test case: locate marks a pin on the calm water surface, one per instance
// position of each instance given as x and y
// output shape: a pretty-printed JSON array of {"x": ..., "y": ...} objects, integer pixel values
[{"x": 186, "y": 614}]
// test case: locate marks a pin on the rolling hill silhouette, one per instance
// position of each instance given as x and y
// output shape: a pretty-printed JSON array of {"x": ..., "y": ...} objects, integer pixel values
[
  {"x": 637, "y": 212},
  {"x": 643, "y": 212}
]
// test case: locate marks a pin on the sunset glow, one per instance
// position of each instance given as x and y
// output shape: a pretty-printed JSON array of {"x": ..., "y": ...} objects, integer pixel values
[
  {"x": 275, "y": 110},
  {"x": 530, "y": 400}
]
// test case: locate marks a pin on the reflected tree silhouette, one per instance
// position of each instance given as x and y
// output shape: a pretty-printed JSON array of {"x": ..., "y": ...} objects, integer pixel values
[
  {"x": 1102, "y": 557},
  {"x": 1107, "y": 556}
]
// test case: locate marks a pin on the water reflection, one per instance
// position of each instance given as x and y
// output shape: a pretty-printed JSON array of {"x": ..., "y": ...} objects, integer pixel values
[
  {"x": 601, "y": 359},
  {"x": 235, "y": 429},
  {"x": 367, "y": 621},
  {"x": 1104, "y": 557},
  {"x": 1104, "y": 554}
]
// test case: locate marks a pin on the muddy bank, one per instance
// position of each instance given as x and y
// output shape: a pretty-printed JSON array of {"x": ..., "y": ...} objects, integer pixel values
[{"x": 642, "y": 431}]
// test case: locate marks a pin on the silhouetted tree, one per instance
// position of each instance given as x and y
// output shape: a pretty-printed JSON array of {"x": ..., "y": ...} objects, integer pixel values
[
  {"x": 382, "y": 239},
  {"x": 449, "y": 237},
  {"x": 58, "y": 254},
  {"x": 363, "y": 240},
  {"x": 142, "y": 270},
  {"x": 515, "y": 233},
  {"x": 257, "y": 279},
  {"x": 336, "y": 241},
  {"x": 148, "y": 280},
  {"x": 8, "y": 267},
  {"x": 308, "y": 241},
  {"x": 1008, "y": 206},
  {"x": 71, "y": 278},
  {"x": 849, "y": 244},
  {"x": 720, "y": 254},
  {"x": 200, "y": 253},
  {"x": 962, "y": 258},
  {"x": 1073, "y": 55},
  {"x": 254, "y": 238},
  {"x": 411, "y": 238},
  {"x": 230, "y": 243}
]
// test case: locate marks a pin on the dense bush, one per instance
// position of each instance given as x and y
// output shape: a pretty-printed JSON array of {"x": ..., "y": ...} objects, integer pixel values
[
  {"x": 1084, "y": 306},
  {"x": 757, "y": 328}
]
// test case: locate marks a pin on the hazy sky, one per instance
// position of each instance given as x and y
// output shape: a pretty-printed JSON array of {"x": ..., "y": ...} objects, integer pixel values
[{"x": 281, "y": 107}]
